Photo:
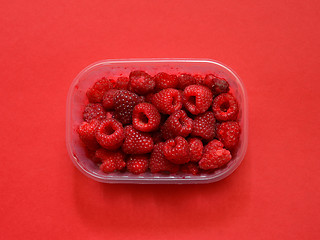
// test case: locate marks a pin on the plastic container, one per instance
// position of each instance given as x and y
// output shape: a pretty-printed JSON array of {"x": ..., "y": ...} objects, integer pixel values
[{"x": 76, "y": 101}]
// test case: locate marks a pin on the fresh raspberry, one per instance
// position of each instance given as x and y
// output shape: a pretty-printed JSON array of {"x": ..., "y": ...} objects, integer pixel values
[
  {"x": 204, "y": 126},
  {"x": 216, "y": 84},
  {"x": 142, "y": 98},
  {"x": 229, "y": 133},
  {"x": 190, "y": 167},
  {"x": 199, "y": 79},
  {"x": 110, "y": 134},
  {"x": 107, "y": 101},
  {"x": 123, "y": 83},
  {"x": 225, "y": 107},
  {"x": 196, "y": 149},
  {"x": 157, "y": 137},
  {"x": 108, "y": 166},
  {"x": 165, "y": 80},
  {"x": 185, "y": 80},
  {"x": 91, "y": 154},
  {"x": 111, "y": 161},
  {"x": 167, "y": 101},
  {"x": 214, "y": 156},
  {"x": 138, "y": 164},
  {"x": 145, "y": 117},
  {"x": 124, "y": 102},
  {"x": 177, "y": 150},
  {"x": 197, "y": 99},
  {"x": 158, "y": 162},
  {"x": 136, "y": 142},
  {"x": 141, "y": 82},
  {"x": 94, "y": 111},
  {"x": 149, "y": 97},
  {"x": 96, "y": 92},
  {"x": 86, "y": 133},
  {"x": 178, "y": 124},
  {"x": 109, "y": 114}
]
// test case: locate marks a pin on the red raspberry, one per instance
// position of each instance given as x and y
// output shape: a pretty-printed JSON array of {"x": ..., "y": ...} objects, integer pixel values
[
  {"x": 123, "y": 83},
  {"x": 165, "y": 80},
  {"x": 86, "y": 133},
  {"x": 109, "y": 115},
  {"x": 107, "y": 101},
  {"x": 178, "y": 124},
  {"x": 94, "y": 111},
  {"x": 229, "y": 133},
  {"x": 145, "y": 117},
  {"x": 141, "y": 82},
  {"x": 136, "y": 142},
  {"x": 157, "y": 137},
  {"x": 158, "y": 162},
  {"x": 177, "y": 150},
  {"x": 124, "y": 102},
  {"x": 225, "y": 107},
  {"x": 190, "y": 167},
  {"x": 196, "y": 149},
  {"x": 204, "y": 126},
  {"x": 216, "y": 84},
  {"x": 199, "y": 79},
  {"x": 214, "y": 156},
  {"x": 185, "y": 80},
  {"x": 197, "y": 99},
  {"x": 167, "y": 101},
  {"x": 96, "y": 92},
  {"x": 138, "y": 164},
  {"x": 149, "y": 97},
  {"x": 111, "y": 161},
  {"x": 110, "y": 134}
]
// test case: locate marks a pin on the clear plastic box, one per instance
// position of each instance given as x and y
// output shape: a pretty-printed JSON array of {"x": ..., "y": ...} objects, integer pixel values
[{"x": 76, "y": 101}]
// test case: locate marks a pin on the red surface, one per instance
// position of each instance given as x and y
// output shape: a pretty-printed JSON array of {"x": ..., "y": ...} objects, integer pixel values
[{"x": 272, "y": 45}]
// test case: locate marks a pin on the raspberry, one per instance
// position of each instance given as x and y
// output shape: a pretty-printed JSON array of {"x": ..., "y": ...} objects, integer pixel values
[
  {"x": 109, "y": 115},
  {"x": 96, "y": 92},
  {"x": 136, "y": 142},
  {"x": 94, "y": 111},
  {"x": 145, "y": 117},
  {"x": 190, "y": 167},
  {"x": 108, "y": 166},
  {"x": 197, "y": 99},
  {"x": 196, "y": 149},
  {"x": 149, "y": 97},
  {"x": 216, "y": 84},
  {"x": 204, "y": 126},
  {"x": 178, "y": 124},
  {"x": 225, "y": 107},
  {"x": 214, "y": 156},
  {"x": 124, "y": 102},
  {"x": 228, "y": 133},
  {"x": 141, "y": 82},
  {"x": 86, "y": 133},
  {"x": 138, "y": 164},
  {"x": 158, "y": 162},
  {"x": 167, "y": 101},
  {"x": 123, "y": 83},
  {"x": 111, "y": 161},
  {"x": 110, "y": 134},
  {"x": 165, "y": 80},
  {"x": 185, "y": 80},
  {"x": 177, "y": 150},
  {"x": 107, "y": 101},
  {"x": 199, "y": 79},
  {"x": 157, "y": 137}
]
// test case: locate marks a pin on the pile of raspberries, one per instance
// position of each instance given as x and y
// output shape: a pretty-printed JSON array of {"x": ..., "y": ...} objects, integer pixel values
[{"x": 162, "y": 124}]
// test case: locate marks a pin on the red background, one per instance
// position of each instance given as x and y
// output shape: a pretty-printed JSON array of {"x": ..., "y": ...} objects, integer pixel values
[{"x": 273, "y": 46}]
